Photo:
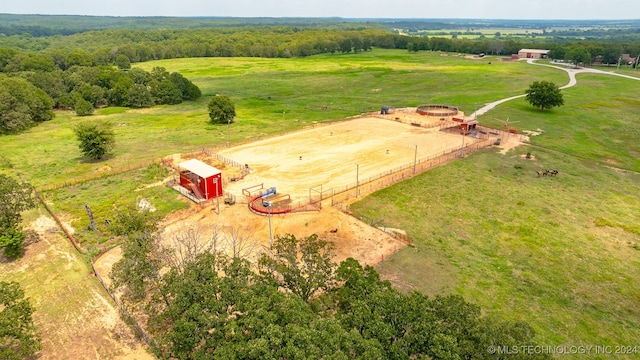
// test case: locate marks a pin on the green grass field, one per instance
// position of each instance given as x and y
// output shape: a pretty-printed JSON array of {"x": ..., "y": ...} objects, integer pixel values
[
  {"x": 272, "y": 96},
  {"x": 558, "y": 252},
  {"x": 597, "y": 123}
]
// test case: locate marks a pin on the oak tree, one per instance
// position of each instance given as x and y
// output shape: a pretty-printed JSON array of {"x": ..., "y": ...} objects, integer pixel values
[
  {"x": 222, "y": 110},
  {"x": 302, "y": 266},
  {"x": 544, "y": 95}
]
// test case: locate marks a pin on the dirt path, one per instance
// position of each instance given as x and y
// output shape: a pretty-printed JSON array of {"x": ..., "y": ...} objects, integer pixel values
[
  {"x": 571, "y": 72},
  {"x": 75, "y": 317}
]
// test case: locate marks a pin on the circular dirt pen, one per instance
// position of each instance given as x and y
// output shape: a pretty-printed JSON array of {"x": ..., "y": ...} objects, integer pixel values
[
  {"x": 280, "y": 205},
  {"x": 437, "y": 110}
]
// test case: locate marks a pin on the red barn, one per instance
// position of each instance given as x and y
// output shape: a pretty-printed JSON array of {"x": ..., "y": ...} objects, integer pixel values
[{"x": 202, "y": 179}]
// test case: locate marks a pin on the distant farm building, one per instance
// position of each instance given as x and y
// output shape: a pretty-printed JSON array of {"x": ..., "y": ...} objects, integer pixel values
[
  {"x": 203, "y": 180},
  {"x": 533, "y": 54}
]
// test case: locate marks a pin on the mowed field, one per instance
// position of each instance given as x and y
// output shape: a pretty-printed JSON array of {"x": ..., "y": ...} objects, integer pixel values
[{"x": 338, "y": 155}]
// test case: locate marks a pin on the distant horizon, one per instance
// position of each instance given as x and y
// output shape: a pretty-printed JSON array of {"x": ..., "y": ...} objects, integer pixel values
[
  {"x": 580, "y": 10},
  {"x": 321, "y": 17}
]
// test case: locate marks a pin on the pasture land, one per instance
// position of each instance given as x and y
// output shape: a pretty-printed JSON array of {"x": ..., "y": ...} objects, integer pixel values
[
  {"x": 272, "y": 96},
  {"x": 561, "y": 253},
  {"x": 598, "y": 122},
  {"x": 558, "y": 252}
]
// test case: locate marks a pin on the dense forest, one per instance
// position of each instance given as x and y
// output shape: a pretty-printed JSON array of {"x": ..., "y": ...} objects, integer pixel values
[{"x": 49, "y": 25}]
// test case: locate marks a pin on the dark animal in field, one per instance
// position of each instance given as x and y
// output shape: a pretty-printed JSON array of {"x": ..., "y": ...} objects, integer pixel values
[
  {"x": 551, "y": 172},
  {"x": 333, "y": 231}
]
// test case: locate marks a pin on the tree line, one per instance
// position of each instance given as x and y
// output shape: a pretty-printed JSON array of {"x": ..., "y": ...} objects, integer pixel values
[
  {"x": 105, "y": 47},
  {"x": 28, "y": 96},
  {"x": 203, "y": 299}
]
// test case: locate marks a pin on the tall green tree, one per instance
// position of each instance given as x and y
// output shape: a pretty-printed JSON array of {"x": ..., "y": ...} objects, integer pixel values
[
  {"x": 612, "y": 53},
  {"x": 18, "y": 336},
  {"x": 119, "y": 92},
  {"x": 222, "y": 110},
  {"x": 123, "y": 62},
  {"x": 544, "y": 95},
  {"x": 165, "y": 92},
  {"x": 140, "y": 96},
  {"x": 15, "y": 197},
  {"x": 188, "y": 89},
  {"x": 22, "y": 104},
  {"x": 578, "y": 55},
  {"x": 96, "y": 138},
  {"x": 302, "y": 266}
]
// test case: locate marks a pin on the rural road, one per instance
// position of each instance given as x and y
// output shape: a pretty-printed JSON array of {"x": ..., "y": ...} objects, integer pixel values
[{"x": 572, "y": 81}]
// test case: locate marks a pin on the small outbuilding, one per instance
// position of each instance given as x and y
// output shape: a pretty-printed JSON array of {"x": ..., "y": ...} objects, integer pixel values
[
  {"x": 533, "y": 54},
  {"x": 468, "y": 127},
  {"x": 203, "y": 180}
]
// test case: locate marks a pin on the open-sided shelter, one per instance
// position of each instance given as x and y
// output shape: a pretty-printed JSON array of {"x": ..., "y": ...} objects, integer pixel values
[{"x": 202, "y": 179}]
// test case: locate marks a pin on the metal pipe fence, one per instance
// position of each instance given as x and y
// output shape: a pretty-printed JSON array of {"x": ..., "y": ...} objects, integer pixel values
[{"x": 387, "y": 178}]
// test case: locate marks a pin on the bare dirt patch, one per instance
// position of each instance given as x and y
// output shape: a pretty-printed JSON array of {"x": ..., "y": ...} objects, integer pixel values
[
  {"x": 533, "y": 132},
  {"x": 510, "y": 143}
]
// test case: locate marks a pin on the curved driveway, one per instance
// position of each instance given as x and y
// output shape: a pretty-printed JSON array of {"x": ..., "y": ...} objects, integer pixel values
[{"x": 572, "y": 81}]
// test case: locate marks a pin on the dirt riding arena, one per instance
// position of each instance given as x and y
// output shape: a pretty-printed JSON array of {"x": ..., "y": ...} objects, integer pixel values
[
  {"x": 337, "y": 156},
  {"x": 330, "y": 159},
  {"x": 323, "y": 161}
]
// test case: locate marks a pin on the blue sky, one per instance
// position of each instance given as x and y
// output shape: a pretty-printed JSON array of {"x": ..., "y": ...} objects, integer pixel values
[{"x": 478, "y": 9}]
